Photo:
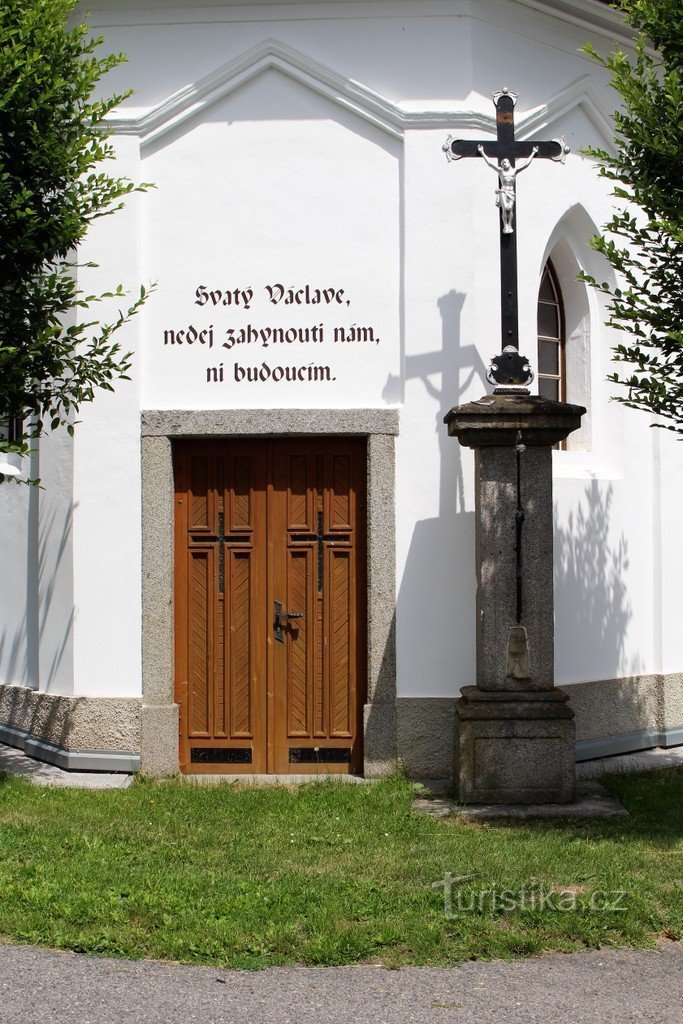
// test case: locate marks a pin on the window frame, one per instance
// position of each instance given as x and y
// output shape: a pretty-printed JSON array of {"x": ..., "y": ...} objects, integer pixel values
[
  {"x": 560, "y": 340},
  {"x": 15, "y": 429}
]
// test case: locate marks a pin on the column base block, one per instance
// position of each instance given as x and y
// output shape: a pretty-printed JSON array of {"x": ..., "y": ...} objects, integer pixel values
[{"x": 514, "y": 748}]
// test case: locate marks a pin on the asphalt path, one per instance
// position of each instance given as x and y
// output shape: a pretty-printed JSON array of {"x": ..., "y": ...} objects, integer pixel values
[{"x": 601, "y": 987}]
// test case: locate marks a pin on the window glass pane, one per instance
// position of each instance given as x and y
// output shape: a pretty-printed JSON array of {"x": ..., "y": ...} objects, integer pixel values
[
  {"x": 546, "y": 290},
  {"x": 548, "y": 357},
  {"x": 549, "y": 388},
  {"x": 14, "y": 430},
  {"x": 548, "y": 320}
]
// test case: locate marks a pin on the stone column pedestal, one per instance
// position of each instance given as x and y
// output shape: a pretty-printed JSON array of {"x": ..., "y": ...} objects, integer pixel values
[{"x": 515, "y": 733}]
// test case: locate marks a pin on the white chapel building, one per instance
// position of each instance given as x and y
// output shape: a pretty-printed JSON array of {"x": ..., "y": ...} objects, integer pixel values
[{"x": 257, "y": 555}]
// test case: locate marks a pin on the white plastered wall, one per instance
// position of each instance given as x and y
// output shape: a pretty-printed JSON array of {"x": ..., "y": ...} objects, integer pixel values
[
  {"x": 616, "y": 494},
  {"x": 271, "y": 188},
  {"x": 17, "y": 582},
  {"x": 36, "y": 584},
  {"x": 106, "y": 476}
]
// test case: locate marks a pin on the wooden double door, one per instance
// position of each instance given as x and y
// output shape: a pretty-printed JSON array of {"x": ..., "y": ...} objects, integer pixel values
[{"x": 270, "y": 604}]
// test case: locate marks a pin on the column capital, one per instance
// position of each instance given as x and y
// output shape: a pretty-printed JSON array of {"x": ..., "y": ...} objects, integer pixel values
[{"x": 493, "y": 421}]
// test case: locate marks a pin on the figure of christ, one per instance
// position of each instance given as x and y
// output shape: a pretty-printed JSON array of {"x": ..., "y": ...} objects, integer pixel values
[{"x": 505, "y": 195}]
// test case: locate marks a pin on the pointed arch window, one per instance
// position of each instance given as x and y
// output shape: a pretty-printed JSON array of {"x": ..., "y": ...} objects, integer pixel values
[{"x": 552, "y": 363}]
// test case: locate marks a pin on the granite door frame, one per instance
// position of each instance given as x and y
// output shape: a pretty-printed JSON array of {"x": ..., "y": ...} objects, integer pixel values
[{"x": 159, "y": 732}]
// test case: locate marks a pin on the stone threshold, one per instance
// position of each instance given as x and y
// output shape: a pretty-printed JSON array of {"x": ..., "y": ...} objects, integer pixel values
[
  {"x": 592, "y": 801},
  {"x": 17, "y": 762},
  {"x": 197, "y": 779}
]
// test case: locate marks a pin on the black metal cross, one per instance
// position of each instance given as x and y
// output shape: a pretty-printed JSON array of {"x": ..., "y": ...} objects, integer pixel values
[{"x": 508, "y": 368}]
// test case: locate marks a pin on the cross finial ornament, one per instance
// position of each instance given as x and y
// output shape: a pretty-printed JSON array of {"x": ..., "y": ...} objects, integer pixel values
[{"x": 509, "y": 371}]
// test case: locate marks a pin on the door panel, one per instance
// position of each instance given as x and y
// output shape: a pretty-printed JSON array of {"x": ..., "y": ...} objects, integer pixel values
[
  {"x": 340, "y": 616},
  {"x": 201, "y": 642},
  {"x": 300, "y": 642},
  {"x": 259, "y": 522},
  {"x": 317, "y": 518},
  {"x": 220, "y": 606}
]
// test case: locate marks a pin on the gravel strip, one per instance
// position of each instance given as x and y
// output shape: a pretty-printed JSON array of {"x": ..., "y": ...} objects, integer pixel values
[{"x": 600, "y": 987}]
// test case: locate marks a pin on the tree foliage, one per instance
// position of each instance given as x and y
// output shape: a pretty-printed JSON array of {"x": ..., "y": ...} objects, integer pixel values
[
  {"x": 645, "y": 245},
  {"x": 54, "y": 353}
]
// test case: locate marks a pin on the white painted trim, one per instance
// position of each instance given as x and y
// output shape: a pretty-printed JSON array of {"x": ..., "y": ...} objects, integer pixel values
[
  {"x": 270, "y": 54},
  {"x": 151, "y": 124},
  {"x": 588, "y": 15},
  {"x": 583, "y": 93},
  {"x": 585, "y": 14}
]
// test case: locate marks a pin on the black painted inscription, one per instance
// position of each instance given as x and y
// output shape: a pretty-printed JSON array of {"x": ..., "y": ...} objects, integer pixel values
[{"x": 296, "y": 339}]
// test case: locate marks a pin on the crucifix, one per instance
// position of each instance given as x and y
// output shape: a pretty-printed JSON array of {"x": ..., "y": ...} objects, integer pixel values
[{"x": 509, "y": 370}]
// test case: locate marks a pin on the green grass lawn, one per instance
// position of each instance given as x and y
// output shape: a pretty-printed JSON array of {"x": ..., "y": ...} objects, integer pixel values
[{"x": 329, "y": 874}]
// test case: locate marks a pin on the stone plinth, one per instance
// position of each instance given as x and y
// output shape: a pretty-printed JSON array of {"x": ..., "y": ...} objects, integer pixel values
[
  {"x": 514, "y": 750},
  {"x": 514, "y": 730}
]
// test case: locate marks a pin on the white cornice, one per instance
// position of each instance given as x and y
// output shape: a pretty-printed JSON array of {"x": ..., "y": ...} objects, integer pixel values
[
  {"x": 366, "y": 104},
  {"x": 270, "y": 54},
  {"x": 585, "y": 14},
  {"x": 592, "y": 15},
  {"x": 582, "y": 93}
]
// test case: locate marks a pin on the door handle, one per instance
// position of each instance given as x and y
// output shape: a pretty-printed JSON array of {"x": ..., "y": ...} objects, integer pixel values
[{"x": 281, "y": 620}]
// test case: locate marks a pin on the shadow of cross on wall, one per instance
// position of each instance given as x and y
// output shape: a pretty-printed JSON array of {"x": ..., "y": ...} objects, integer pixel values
[
  {"x": 458, "y": 366},
  {"x": 437, "y": 592}
]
